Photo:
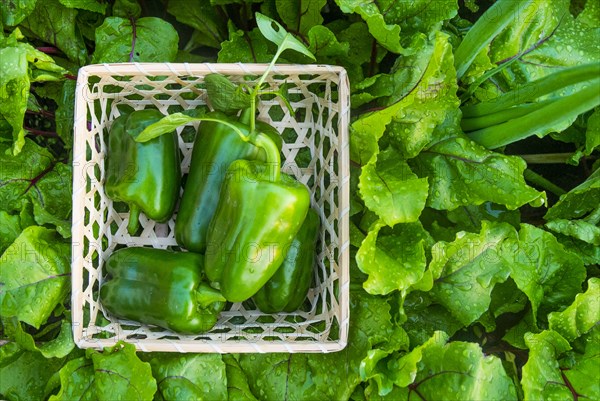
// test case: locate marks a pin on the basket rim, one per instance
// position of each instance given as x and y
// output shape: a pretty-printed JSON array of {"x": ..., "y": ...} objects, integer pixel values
[
  {"x": 183, "y": 69},
  {"x": 80, "y": 182},
  {"x": 228, "y": 347}
]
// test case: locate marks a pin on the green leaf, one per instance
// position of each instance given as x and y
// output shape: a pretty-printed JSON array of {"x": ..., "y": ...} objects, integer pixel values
[
  {"x": 119, "y": 373},
  {"x": 553, "y": 116},
  {"x": 432, "y": 97},
  {"x": 155, "y": 40},
  {"x": 13, "y": 224},
  {"x": 166, "y": 124},
  {"x": 34, "y": 175},
  {"x": 466, "y": 270},
  {"x": 579, "y": 369},
  {"x": 224, "y": 95},
  {"x": 390, "y": 88},
  {"x": 424, "y": 318},
  {"x": 365, "y": 133},
  {"x": 200, "y": 15},
  {"x": 12, "y": 12},
  {"x": 58, "y": 347},
  {"x": 592, "y": 135},
  {"x": 417, "y": 15},
  {"x": 26, "y": 215},
  {"x": 190, "y": 377},
  {"x": 581, "y": 316},
  {"x": 89, "y": 5},
  {"x": 590, "y": 15},
  {"x": 579, "y": 201},
  {"x": 544, "y": 270},
  {"x": 65, "y": 112},
  {"x": 514, "y": 103},
  {"x": 463, "y": 173},
  {"x": 56, "y": 24},
  {"x": 359, "y": 52},
  {"x": 542, "y": 378},
  {"x": 356, "y": 235},
  {"x": 63, "y": 93},
  {"x": 476, "y": 76},
  {"x": 579, "y": 229},
  {"x": 565, "y": 47},
  {"x": 14, "y": 91},
  {"x": 331, "y": 376},
  {"x": 34, "y": 276},
  {"x": 88, "y": 22},
  {"x": 245, "y": 47},
  {"x": 323, "y": 43},
  {"x": 469, "y": 218},
  {"x": 116, "y": 373},
  {"x": 356, "y": 33},
  {"x": 394, "y": 259},
  {"x": 589, "y": 254},
  {"x": 408, "y": 120},
  {"x": 76, "y": 381},
  {"x": 284, "y": 96},
  {"x": 300, "y": 15},
  {"x": 438, "y": 365},
  {"x": 273, "y": 31},
  {"x": 529, "y": 27},
  {"x": 388, "y": 35},
  {"x": 25, "y": 373},
  {"x": 390, "y": 189},
  {"x": 172, "y": 121},
  {"x": 506, "y": 299},
  {"x": 420, "y": 92},
  {"x": 127, "y": 9},
  {"x": 487, "y": 27},
  {"x": 389, "y": 21},
  {"x": 51, "y": 197},
  {"x": 514, "y": 335},
  {"x": 237, "y": 382},
  {"x": 9, "y": 229}
]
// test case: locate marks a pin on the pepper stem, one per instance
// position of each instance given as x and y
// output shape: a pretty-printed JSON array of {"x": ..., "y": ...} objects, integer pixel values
[
  {"x": 256, "y": 90},
  {"x": 245, "y": 116},
  {"x": 273, "y": 159},
  {"x": 206, "y": 295},
  {"x": 134, "y": 219}
]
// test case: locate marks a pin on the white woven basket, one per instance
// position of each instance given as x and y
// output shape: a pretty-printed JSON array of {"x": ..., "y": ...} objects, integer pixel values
[{"x": 315, "y": 151}]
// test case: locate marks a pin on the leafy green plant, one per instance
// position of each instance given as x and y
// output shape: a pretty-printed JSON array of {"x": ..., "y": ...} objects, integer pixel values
[{"x": 475, "y": 220}]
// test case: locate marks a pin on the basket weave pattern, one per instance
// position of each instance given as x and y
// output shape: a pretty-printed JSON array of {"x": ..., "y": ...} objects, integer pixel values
[{"x": 315, "y": 152}]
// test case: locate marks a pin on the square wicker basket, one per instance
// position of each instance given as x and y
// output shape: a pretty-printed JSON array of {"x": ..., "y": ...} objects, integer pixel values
[{"x": 315, "y": 151}]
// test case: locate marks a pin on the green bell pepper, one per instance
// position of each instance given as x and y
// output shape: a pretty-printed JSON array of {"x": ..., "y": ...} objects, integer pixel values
[
  {"x": 288, "y": 287},
  {"x": 160, "y": 287},
  {"x": 216, "y": 146},
  {"x": 147, "y": 175},
  {"x": 258, "y": 215}
]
